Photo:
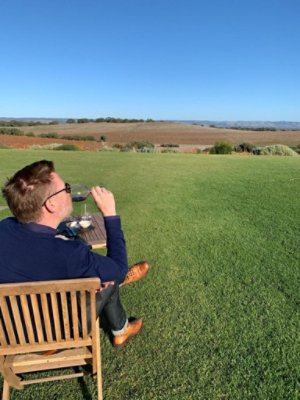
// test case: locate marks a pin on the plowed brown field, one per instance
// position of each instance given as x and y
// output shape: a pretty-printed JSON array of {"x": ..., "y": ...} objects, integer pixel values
[{"x": 187, "y": 135}]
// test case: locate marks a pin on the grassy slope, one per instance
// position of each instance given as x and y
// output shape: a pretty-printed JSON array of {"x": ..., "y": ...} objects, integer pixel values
[{"x": 221, "y": 306}]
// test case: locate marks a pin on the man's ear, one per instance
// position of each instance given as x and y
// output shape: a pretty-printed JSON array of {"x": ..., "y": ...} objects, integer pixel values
[{"x": 50, "y": 206}]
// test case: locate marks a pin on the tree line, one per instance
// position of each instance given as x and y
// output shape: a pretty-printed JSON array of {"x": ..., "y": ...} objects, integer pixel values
[{"x": 20, "y": 123}]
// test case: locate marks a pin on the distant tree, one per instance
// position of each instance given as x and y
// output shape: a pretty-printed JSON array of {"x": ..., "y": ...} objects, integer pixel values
[
  {"x": 71, "y": 121},
  {"x": 83, "y": 120}
]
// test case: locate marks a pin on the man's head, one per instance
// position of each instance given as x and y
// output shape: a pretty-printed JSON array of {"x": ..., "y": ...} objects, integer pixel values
[{"x": 31, "y": 193}]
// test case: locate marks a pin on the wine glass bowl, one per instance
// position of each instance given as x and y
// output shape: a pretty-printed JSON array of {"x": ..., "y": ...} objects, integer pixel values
[{"x": 79, "y": 192}]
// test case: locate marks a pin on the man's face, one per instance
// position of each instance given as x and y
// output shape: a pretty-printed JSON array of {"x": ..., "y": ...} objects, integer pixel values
[{"x": 63, "y": 200}]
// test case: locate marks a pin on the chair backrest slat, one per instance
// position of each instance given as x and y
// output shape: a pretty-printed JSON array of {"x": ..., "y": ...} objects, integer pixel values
[
  {"x": 46, "y": 317},
  {"x": 7, "y": 322},
  {"x": 17, "y": 319},
  {"x": 83, "y": 314},
  {"x": 3, "y": 340},
  {"x": 27, "y": 318},
  {"x": 65, "y": 313},
  {"x": 55, "y": 310},
  {"x": 75, "y": 321},
  {"x": 37, "y": 317}
]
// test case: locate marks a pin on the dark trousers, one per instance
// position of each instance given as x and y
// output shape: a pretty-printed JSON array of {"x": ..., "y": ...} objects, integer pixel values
[{"x": 108, "y": 303}]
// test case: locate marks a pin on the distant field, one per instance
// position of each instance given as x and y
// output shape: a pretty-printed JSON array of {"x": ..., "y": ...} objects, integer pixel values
[
  {"x": 221, "y": 303},
  {"x": 157, "y": 133}
]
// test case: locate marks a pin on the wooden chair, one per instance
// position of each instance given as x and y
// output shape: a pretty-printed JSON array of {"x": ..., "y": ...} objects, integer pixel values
[{"x": 36, "y": 317}]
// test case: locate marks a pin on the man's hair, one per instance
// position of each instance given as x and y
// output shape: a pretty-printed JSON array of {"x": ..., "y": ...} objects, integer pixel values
[{"x": 27, "y": 190}]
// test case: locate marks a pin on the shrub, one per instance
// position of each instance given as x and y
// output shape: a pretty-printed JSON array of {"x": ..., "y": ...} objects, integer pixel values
[
  {"x": 278, "y": 150},
  {"x": 77, "y": 137},
  {"x": 244, "y": 147},
  {"x": 88, "y": 137},
  {"x": 169, "y": 150},
  {"x": 103, "y": 138},
  {"x": 30, "y": 134},
  {"x": 221, "y": 148},
  {"x": 54, "y": 146},
  {"x": 68, "y": 137},
  {"x": 83, "y": 121},
  {"x": 3, "y": 146},
  {"x": 169, "y": 145},
  {"x": 138, "y": 146},
  {"x": 50, "y": 146},
  {"x": 147, "y": 149},
  {"x": 50, "y": 135},
  {"x": 127, "y": 148},
  {"x": 11, "y": 131},
  {"x": 117, "y": 146},
  {"x": 109, "y": 149},
  {"x": 297, "y": 149},
  {"x": 67, "y": 147}
]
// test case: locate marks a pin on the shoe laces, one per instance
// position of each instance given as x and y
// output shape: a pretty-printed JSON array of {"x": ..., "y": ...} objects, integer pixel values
[{"x": 131, "y": 272}]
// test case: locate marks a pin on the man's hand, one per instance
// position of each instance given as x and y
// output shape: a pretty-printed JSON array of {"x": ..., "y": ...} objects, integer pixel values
[
  {"x": 104, "y": 200},
  {"x": 105, "y": 285}
]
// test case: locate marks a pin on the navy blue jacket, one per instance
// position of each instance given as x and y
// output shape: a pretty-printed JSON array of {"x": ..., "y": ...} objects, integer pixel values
[{"x": 31, "y": 252}]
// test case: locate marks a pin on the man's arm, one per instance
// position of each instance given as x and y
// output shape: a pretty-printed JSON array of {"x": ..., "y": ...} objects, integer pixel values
[{"x": 116, "y": 246}]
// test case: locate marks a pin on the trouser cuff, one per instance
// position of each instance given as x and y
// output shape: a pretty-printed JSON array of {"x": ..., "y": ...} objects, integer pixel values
[{"x": 121, "y": 331}]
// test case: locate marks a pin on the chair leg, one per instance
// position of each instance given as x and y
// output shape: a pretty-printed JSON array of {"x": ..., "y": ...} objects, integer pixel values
[
  {"x": 5, "y": 393},
  {"x": 98, "y": 362}
]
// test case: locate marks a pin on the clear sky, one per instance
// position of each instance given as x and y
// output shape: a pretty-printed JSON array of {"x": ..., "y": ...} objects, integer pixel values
[{"x": 160, "y": 59}]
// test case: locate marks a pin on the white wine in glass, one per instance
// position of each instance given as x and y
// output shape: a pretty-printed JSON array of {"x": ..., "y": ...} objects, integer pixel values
[{"x": 85, "y": 217}]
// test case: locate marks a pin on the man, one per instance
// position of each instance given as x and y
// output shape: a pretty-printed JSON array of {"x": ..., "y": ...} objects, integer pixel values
[{"x": 30, "y": 251}]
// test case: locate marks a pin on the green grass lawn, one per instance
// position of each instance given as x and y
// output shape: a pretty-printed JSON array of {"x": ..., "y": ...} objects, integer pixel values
[{"x": 221, "y": 304}]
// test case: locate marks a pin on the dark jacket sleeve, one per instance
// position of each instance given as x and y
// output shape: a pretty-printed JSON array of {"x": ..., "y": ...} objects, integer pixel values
[{"x": 113, "y": 266}]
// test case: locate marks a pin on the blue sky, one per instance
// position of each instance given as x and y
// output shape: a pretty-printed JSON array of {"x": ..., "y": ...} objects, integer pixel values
[{"x": 160, "y": 59}]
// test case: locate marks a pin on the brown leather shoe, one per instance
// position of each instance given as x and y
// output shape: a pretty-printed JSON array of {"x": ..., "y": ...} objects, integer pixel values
[
  {"x": 133, "y": 329},
  {"x": 136, "y": 272}
]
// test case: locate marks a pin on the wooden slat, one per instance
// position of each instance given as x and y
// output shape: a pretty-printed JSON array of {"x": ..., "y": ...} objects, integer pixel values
[
  {"x": 74, "y": 315},
  {"x": 37, "y": 318},
  {"x": 65, "y": 314},
  {"x": 3, "y": 341},
  {"x": 55, "y": 311},
  {"x": 46, "y": 346},
  {"x": 7, "y": 322},
  {"x": 24, "y": 360},
  {"x": 27, "y": 318},
  {"x": 83, "y": 314},
  {"x": 97, "y": 351},
  {"x": 8, "y": 289},
  {"x": 54, "y": 378},
  {"x": 18, "y": 323},
  {"x": 46, "y": 317},
  {"x": 93, "y": 329}
]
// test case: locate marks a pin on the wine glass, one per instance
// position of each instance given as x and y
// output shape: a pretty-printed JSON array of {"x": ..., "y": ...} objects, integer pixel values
[
  {"x": 85, "y": 217},
  {"x": 79, "y": 192}
]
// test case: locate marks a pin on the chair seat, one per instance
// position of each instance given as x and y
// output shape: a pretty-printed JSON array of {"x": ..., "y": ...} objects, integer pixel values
[{"x": 38, "y": 362}]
